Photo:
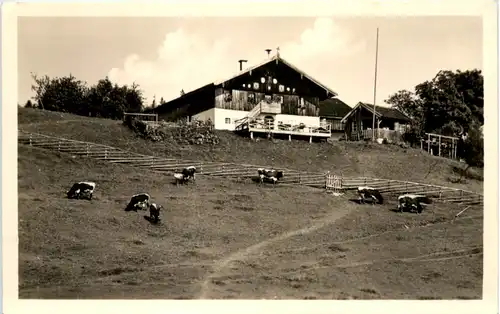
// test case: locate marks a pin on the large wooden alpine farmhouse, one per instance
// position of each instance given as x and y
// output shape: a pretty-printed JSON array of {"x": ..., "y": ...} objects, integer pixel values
[{"x": 273, "y": 97}]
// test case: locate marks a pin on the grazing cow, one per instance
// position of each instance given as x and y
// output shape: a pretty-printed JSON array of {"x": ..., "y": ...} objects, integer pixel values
[
  {"x": 138, "y": 201},
  {"x": 271, "y": 175},
  {"x": 180, "y": 178},
  {"x": 365, "y": 192},
  {"x": 189, "y": 172},
  {"x": 81, "y": 190},
  {"x": 154, "y": 212},
  {"x": 412, "y": 202}
]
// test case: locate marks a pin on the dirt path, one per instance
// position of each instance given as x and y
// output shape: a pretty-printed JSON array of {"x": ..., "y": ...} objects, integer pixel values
[{"x": 242, "y": 254}]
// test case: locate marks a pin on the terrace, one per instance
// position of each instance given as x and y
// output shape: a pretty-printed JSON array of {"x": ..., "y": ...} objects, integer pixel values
[{"x": 296, "y": 130}]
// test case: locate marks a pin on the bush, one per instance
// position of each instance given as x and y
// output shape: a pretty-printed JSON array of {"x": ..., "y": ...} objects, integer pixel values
[
  {"x": 412, "y": 137},
  {"x": 195, "y": 133}
]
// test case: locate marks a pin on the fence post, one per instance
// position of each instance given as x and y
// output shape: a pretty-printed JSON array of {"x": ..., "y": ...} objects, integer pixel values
[
  {"x": 299, "y": 178},
  {"x": 88, "y": 150},
  {"x": 30, "y": 138},
  {"x": 365, "y": 181},
  {"x": 106, "y": 153},
  {"x": 59, "y": 146}
]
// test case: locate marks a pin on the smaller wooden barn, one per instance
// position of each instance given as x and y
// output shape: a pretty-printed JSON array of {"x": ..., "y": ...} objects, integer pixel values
[
  {"x": 359, "y": 121},
  {"x": 331, "y": 111}
]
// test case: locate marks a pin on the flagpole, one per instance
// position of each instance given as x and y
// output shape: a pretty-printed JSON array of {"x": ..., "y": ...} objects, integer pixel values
[{"x": 375, "y": 90}]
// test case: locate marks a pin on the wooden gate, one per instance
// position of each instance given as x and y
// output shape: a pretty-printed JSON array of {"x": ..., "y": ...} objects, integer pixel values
[{"x": 333, "y": 183}]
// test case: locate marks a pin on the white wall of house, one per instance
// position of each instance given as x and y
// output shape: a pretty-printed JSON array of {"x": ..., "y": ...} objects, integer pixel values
[
  {"x": 205, "y": 115},
  {"x": 225, "y": 118}
]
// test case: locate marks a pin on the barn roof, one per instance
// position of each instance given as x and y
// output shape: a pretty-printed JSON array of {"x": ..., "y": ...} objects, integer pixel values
[
  {"x": 276, "y": 58},
  {"x": 210, "y": 86},
  {"x": 333, "y": 108},
  {"x": 380, "y": 112}
]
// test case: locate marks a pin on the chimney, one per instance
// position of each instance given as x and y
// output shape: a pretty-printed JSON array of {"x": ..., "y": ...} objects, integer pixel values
[
  {"x": 241, "y": 63},
  {"x": 268, "y": 52}
]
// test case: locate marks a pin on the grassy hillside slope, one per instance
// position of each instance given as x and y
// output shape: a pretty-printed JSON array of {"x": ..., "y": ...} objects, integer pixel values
[
  {"x": 226, "y": 239},
  {"x": 349, "y": 159}
]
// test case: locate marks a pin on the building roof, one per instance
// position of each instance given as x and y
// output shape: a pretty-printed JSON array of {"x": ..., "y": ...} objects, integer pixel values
[
  {"x": 333, "y": 108},
  {"x": 210, "y": 86},
  {"x": 276, "y": 58},
  {"x": 380, "y": 112}
]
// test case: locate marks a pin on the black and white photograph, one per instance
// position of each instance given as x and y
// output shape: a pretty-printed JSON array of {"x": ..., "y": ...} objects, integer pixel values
[{"x": 266, "y": 157}]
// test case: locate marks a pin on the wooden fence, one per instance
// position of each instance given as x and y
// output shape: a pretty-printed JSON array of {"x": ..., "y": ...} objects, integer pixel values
[
  {"x": 221, "y": 169},
  {"x": 391, "y": 135},
  {"x": 156, "y": 163},
  {"x": 397, "y": 187}
]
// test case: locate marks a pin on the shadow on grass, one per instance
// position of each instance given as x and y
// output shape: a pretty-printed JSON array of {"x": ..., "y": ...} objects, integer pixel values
[
  {"x": 256, "y": 180},
  {"x": 366, "y": 202},
  {"x": 152, "y": 221}
]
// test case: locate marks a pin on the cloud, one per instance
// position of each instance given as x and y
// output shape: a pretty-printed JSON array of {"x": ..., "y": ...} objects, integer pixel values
[
  {"x": 325, "y": 38},
  {"x": 188, "y": 61}
]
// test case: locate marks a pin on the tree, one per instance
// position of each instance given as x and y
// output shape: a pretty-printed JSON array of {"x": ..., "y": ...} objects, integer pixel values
[
  {"x": 66, "y": 94},
  {"x": 407, "y": 102},
  {"x": 153, "y": 103},
  {"x": 112, "y": 101},
  {"x": 471, "y": 149},
  {"x": 99, "y": 97},
  {"x": 135, "y": 98},
  {"x": 39, "y": 88},
  {"x": 104, "y": 99},
  {"x": 448, "y": 104},
  {"x": 28, "y": 104},
  {"x": 452, "y": 101}
]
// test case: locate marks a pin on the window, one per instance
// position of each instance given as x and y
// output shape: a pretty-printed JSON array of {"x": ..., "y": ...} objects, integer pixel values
[
  {"x": 277, "y": 98},
  {"x": 281, "y": 88},
  {"x": 228, "y": 97},
  {"x": 228, "y": 120},
  {"x": 251, "y": 98}
]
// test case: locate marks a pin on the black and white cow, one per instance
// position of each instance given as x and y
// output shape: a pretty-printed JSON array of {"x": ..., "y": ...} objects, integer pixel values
[
  {"x": 139, "y": 201},
  {"x": 154, "y": 212},
  {"x": 270, "y": 175},
  {"x": 365, "y": 192},
  {"x": 413, "y": 202},
  {"x": 189, "y": 172},
  {"x": 82, "y": 190},
  {"x": 180, "y": 178}
]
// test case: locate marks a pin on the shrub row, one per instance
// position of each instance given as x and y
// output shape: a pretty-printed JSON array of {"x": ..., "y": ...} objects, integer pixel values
[{"x": 194, "y": 133}]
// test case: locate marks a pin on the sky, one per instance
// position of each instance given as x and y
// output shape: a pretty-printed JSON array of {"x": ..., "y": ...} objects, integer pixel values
[{"x": 164, "y": 55}]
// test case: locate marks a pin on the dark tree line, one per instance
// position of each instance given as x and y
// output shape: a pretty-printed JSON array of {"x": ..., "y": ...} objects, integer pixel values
[
  {"x": 450, "y": 104},
  {"x": 103, "y": 99}
]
